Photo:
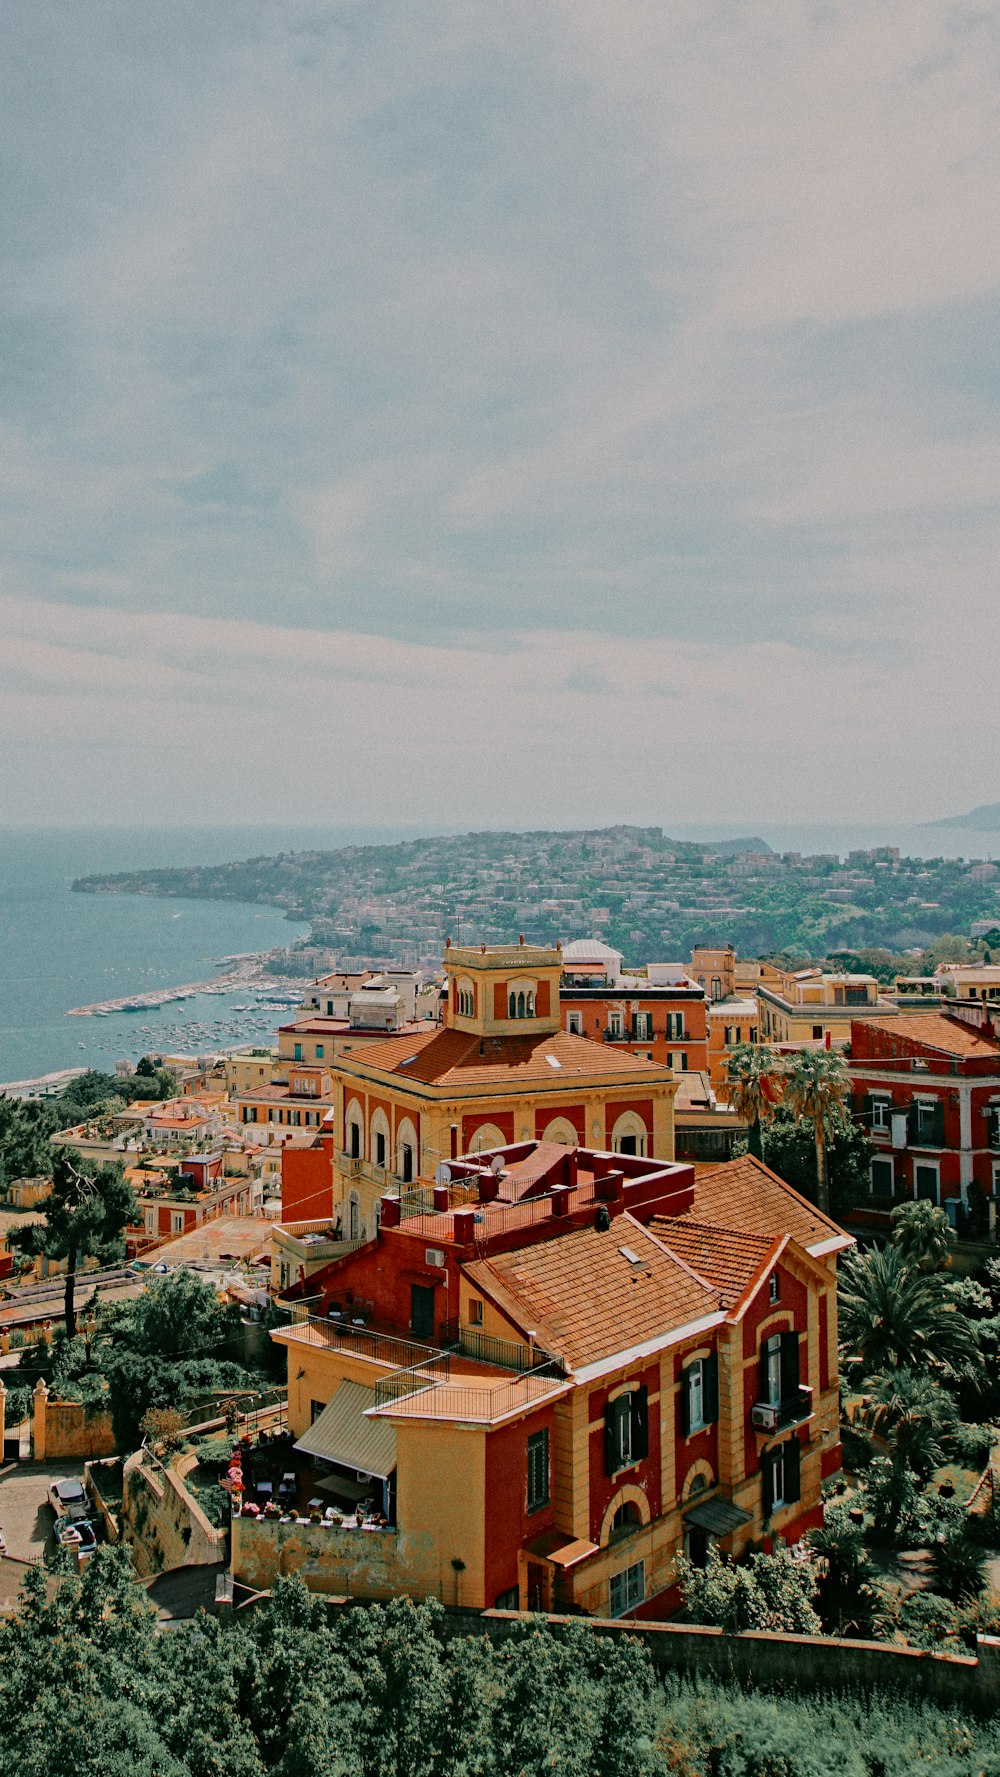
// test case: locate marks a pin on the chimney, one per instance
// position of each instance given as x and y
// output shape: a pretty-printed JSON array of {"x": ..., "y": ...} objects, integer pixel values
[
  {"x": 489, "y": 1187},
  {"x": 560, "y": 1200},
  {"x": 390, "y": 1214},
  {"x": 465, "y": 1224},
  {"x": 441, "y": 1197}
]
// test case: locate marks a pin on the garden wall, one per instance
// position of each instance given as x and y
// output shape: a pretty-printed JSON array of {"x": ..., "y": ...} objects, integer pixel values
[
  {"x": 162, "y": 1521},
  {"x": 65, "y": 1429}
]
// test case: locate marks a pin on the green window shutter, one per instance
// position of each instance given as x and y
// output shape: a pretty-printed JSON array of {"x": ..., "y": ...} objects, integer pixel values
[
  {"x": 767, "y": 1483},
  {"x": 793, "y": 1467},
  {"x": 612, "y": 1437},
  {"x": 789, "y": 1366},
  {"x": 711, "y": 1388},
  {"x": 685, "y": 1403},
  {"x": 638, "y": 1402}
]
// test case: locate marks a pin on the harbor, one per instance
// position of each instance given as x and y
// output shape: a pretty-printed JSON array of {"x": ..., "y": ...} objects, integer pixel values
[{"x": 249, "y": 975}]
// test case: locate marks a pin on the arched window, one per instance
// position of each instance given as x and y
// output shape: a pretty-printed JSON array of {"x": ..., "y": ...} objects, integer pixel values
[
  {"x": 520, "y": 1005},
  {"x": 531, "y": 1005},
  {"x": 716, "y": 988},
  {"x": 512, "y": 1006},
  {"x": 625, "y": 1520}
]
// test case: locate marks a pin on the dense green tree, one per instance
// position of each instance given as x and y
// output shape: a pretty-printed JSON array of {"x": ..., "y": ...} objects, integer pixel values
[
  {"x": 790, "y": 1151},
  {"x": 764, "y": 1592},
  {"x": 846, "y": 1596},
  {"x": 817, "y": 1085},
  {"x": 892, "y": 1317},
  {"x": 753, "y": 1087},
  {"x": 86, "y": 1213},
  {"x": 923, "y": 1234}
]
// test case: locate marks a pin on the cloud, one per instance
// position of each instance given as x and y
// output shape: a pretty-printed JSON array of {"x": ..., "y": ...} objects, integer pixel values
[{"x": 550, "y": 352}]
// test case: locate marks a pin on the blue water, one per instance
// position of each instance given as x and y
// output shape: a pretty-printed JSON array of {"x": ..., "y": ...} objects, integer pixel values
[{"x": 59, "y": 950}]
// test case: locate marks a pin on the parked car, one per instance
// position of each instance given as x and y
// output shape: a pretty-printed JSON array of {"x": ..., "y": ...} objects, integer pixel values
[
  {"x": 69, "y": 1500},
  {"x": 77, "y": 1536}
]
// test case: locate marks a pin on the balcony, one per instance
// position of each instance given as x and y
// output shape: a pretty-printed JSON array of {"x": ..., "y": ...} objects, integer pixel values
[{"x": 770, "y": 1417}]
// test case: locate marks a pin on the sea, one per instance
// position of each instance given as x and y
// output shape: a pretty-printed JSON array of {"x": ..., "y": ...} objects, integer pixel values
[{"x": 59, "y": 950}]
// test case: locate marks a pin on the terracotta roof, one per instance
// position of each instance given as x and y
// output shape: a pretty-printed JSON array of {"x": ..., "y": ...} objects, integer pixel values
[
  {"x": 453, "y": 1057},
  {"x": 725, "y": 1257},
  {"x": 747, "y": 1194},
  {"x": 586, "y": 1300},
  {"x": 934, "y": 1030}
]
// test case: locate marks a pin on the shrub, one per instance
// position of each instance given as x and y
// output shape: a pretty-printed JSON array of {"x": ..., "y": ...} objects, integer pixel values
[
  {"x": 765, "y": 1592},
  {"x": 972, "y": 1443}
]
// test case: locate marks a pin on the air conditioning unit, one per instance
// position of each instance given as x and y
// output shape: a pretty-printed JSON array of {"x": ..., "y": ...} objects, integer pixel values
[
  {"x": 764, "y": 1417},
  {"x": 434, "y": 1256}
]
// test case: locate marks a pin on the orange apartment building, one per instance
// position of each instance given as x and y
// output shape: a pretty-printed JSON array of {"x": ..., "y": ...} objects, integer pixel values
[
  {"x": 660, "y": 1015},
  {"x": 573, "y": 1367},
  {"x": 500, "y": 1069}
]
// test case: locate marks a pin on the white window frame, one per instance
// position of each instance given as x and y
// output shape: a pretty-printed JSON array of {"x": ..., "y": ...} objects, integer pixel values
[
  {"x": 627, "y": 1589},
  {"x": 696, "y": 1392},
  {"x": 574, "y": 1023},
  {"x": 881, "y": 1113},
  {"x": 176, "y": 1221},
  {"x": 778, "y": 1475}
]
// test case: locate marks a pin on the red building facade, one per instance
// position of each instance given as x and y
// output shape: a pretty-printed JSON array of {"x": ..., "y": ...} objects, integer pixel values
[{"x": 926, "y": 1086}]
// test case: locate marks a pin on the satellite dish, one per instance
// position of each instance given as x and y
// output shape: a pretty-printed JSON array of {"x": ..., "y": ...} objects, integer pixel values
[
  {"x": 442, "y": 1174},
  {"x": 496, "y": 1165}
]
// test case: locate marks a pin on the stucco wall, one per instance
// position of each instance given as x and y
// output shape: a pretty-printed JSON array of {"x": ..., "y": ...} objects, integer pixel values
[
  {"x": 162, "y": 1522},
  {"x": 64, "y": 1429}
]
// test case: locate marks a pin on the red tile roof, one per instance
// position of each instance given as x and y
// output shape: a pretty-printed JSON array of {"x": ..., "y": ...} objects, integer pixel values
[
  {"x": 935, "y": 1030},
  {"x": 747, "y": 1194},
  {"x": 725, "y": 1257},
  {"x": 586, "y": 1299},
  {"x": 453, "y": 1057}
]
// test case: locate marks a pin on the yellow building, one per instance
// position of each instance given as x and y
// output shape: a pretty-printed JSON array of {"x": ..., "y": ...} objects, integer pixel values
[
  {"x": 500, "y": 1069},
  {"x": 811, "y": 1007}
]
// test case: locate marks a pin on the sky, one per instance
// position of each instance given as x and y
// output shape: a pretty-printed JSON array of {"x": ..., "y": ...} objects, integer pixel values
[{"x": 544, "y": 412}]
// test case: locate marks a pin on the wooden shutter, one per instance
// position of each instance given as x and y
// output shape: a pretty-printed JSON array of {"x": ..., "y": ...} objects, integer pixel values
[
  {"x": 612, "y": 1438},
  {"x": 789, "y": 1366},
  {"x": 793, "y": 1466},
  {"x": 638, "y": 1406},
  {"x": 686, "y": 1403},
  {"x": 710, "y": 1386},
  {"x": 767, "y": 1483}
]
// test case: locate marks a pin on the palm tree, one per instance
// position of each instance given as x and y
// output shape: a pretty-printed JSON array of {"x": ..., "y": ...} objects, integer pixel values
[
  {"x": 894, "y": 1318},
  {"x": 911, "y": 1413},
  {"x": 923, "y": 1235},
  {"x": 816, "y": 1085},
  {"x": 751, "y": 1088}
]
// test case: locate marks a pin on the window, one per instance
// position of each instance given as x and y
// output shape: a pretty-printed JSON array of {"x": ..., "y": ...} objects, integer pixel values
[
  {"x": 297, "y": 1054},
  {"x": 150, "y": 1221},
  {"x": 627, "y": 1589},
  {"x": 882, "y": 1177},
  {"x": 817, "y": 1033},
  {"x": 354, "y": 1140},
  {"x": 538, "y": 1470},
  {"x": 675, "y": 1026},
  {"x": 615, "y": 1025},
  {"x": 573, "y": 1024},
  {"x": 475, "y": 1312},
  {"x": 993, "y": 1125},
  {"x": 177, "y": 1221},
  {"x": 509, "y": 1600},
  {"x": 380, "y": 1147},
  {"x": 406, "y": 1163},
  {"x": 780, "y": 1475},
  {"x": 315, "y": 1409},
  {"x": 780, "y": 1369},
  {"x": 927, "y": 1123},
  {"x": 881, "y": 1111},
  {"x": 642, "y": 1027},
  {"x": 699, "y": 1394},
  {"x": 329, "y": 1008},
  {"x": 716, "y": 988},
  {"x": 774, "y": 1288},
  {"x": 626, "y": 1430},
  {"x": 320, "y": 1051},
  {"x": 625, "y": 1520},
  {"x": 926, "y": 1182}
]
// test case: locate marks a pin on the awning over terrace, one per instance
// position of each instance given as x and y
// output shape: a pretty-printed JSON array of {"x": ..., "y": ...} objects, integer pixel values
[
  {"x": 717, "y": 1516},
  {"x": 342, "y": 1434}
]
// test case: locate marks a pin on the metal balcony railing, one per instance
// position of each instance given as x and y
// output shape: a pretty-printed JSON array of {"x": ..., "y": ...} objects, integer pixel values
[
  {"x": 485, "y": 1348},
  {"x": 772, "y": 1416}
]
